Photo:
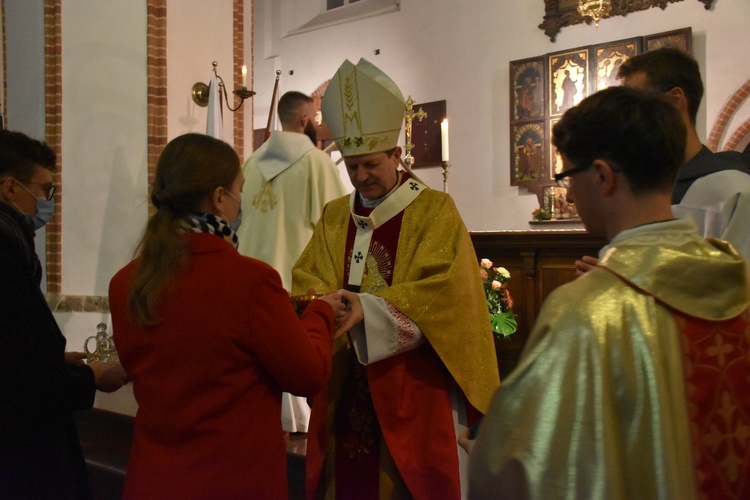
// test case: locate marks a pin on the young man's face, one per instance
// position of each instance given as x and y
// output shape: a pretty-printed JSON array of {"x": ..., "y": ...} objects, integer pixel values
[
  {"x": 373, "y": 175},
  {"x": 25, "y": 194},
  {"x": 582, "y": 192}
]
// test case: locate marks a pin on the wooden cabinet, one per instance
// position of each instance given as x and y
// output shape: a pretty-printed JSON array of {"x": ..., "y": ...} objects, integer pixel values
[{"x": 539, "y": 262}]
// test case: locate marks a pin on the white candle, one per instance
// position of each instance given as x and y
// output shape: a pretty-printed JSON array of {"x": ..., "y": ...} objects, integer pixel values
[
  {"x": 444, "y": 140},
  {"x": 244, "y": 76}
]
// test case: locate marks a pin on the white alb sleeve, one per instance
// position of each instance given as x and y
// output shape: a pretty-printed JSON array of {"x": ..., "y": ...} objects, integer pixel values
[{"x": 384, "y": 331}]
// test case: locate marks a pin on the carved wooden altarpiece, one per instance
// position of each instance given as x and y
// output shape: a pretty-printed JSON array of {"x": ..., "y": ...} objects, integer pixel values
[{"x": 561, "y": 13}]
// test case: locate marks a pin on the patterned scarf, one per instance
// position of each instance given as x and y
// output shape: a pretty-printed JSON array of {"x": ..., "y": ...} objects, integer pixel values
[{"x": 209, "y": 223}]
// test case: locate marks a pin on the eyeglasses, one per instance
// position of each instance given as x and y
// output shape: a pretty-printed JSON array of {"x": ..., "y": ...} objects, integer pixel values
[
  {"x": 48, "y": 187},
  {"x": 560, "y": 178}
]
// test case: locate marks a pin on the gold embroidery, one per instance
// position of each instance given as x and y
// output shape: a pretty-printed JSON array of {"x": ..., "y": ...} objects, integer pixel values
[
  {"x": 265, "y": 199},
  {"x": 373, "y": 281}
]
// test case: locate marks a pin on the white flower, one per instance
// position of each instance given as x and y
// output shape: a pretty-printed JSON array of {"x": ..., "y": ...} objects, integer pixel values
[
  {"x": 496, "y": 285},
  {"x": 503, "y": 272},
  {"x": 486, "y": 263}
]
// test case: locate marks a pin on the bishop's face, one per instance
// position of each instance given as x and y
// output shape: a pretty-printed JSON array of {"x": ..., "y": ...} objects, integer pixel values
[{"x": 373, "y": 175}]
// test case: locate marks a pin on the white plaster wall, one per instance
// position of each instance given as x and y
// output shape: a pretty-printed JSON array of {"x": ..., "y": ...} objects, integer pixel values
[
  {"x": 459, "y": 51},
  {"x": 104, "y": 179},
  {"x": 198, "y": 33}
]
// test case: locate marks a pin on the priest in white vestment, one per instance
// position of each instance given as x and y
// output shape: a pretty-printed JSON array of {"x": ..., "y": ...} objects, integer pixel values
[
  {"x": 288, "y": 181},
  {"x": 719, "y": 204}
]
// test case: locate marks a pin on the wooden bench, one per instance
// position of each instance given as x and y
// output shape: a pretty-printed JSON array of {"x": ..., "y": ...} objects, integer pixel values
[{"x": 106, "y": 438}]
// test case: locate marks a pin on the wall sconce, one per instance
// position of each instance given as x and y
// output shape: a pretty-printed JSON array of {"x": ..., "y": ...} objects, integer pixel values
[
  {"x": 595, "y": 9},
  {"x": 200, "y": 90}
]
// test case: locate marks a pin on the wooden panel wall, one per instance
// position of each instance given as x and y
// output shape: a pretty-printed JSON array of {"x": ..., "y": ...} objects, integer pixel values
[{"x": 539, "y": 262}]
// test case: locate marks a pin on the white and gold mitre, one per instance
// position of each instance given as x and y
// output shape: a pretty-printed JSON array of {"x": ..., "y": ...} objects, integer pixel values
[{"x": 363, "y": 108}]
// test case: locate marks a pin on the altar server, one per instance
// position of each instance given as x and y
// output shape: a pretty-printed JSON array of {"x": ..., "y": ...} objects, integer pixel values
[{"x": 634, "y": 380}]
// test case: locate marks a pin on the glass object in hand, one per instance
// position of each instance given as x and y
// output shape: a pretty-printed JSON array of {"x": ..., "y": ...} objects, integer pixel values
[{"x": 100, "y": 347}]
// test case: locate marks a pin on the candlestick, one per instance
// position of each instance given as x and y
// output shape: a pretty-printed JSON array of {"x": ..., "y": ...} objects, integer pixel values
[
  {"x": 444, "y": 140},
  {"x": 244, "y": 76}
]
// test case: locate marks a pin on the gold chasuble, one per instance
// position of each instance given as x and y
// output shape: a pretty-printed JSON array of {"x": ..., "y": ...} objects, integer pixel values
[
  {"x": 634, "y": 382},
  {"x": 435, "y": 284}
]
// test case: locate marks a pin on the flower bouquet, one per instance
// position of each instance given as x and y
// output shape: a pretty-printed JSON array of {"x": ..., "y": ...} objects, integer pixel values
[
  {"x": 499, "y": 302},
  {"x": 541, "y": 214}
]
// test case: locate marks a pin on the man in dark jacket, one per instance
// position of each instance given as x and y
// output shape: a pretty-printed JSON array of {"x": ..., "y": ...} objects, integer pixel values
[{"x": 40, "y": 384}]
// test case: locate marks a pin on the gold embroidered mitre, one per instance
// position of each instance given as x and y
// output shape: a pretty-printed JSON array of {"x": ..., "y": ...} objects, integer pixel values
[{"x": 363, "y": 108}]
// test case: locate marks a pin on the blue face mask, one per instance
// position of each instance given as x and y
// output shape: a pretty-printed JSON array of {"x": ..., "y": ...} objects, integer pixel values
[
  {"x": 235, "y": 224},
  {"x": 45, "y": 209}
]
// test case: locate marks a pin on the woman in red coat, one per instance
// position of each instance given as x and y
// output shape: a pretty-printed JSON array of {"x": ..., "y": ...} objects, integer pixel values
[{"x": 210, "y": 339}]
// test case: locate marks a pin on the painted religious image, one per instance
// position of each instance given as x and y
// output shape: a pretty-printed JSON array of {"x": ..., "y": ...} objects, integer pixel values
[
  {"x": 528, "y": 153},
  {"x": 679, "y": 39},
  {"x": 609, "y": 57},
  {"x": 527, "y": 90},
  {"x": 555, "y": 160},
  {"x": 568, "y": 80}
]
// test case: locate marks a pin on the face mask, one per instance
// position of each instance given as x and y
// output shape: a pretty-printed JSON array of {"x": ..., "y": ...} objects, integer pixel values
[
  {"x": 45, "y": 209},
  {"x": 235, "y": 224}
]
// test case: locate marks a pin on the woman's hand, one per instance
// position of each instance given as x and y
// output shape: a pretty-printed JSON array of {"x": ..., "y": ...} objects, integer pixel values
[
  {"x": 109, "y": 376},
  {"x": 335, "y": 300}
]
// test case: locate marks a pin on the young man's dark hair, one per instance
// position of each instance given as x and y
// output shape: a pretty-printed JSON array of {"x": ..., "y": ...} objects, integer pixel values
[
  {"x": 19, "y": 154},
  {"x": 666, "y": 69},
  {"x": 609, "y": 123},
  {"x": 289, "y": 104}
]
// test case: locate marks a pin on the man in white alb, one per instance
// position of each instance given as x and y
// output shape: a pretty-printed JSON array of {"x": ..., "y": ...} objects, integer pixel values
[{"x": 287, "y": 183}]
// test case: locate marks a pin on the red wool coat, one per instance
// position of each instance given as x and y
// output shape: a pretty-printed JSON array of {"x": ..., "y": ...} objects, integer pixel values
[{"x": 208, "y": 378}]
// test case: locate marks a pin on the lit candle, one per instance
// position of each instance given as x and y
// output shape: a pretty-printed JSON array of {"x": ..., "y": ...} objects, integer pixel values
[
  {"x": 244, "y": 76},
  {"x": 444, "y": 140}
]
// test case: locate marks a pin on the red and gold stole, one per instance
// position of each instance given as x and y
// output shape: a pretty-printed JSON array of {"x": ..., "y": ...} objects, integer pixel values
[{"x": 716, "y": 357}]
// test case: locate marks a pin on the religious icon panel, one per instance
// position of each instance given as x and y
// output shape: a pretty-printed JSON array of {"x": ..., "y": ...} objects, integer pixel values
[
  {"x": 568, "y": 80},
  {"x": 680, "y": 39},
  {"x": 528, "y": 155},
  {"x": 426, "y": 134},
  {"x": 527, "y": 89},
  {"x": 544, "y": 87},
  {"x": 608, "y": 58}
]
